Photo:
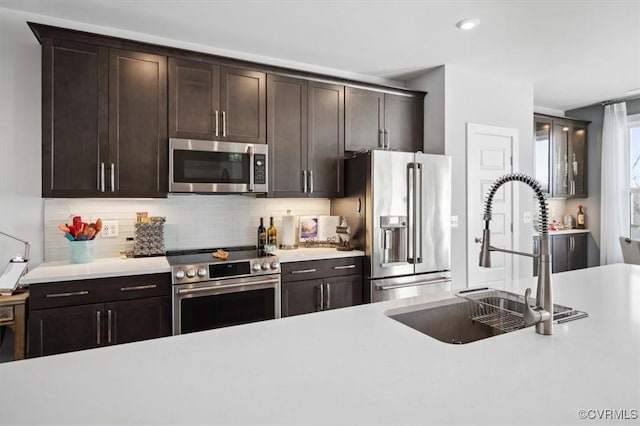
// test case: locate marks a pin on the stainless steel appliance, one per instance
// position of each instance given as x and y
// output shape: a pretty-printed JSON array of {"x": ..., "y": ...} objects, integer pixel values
[
  {"x": 211, "y": 293},
  {"x": 217, "y": 167},
  {"x": 398, "y": 205}
]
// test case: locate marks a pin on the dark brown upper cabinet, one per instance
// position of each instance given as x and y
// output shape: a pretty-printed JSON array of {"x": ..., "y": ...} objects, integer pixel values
[
  {"x": 305, "y": 137},
  {"x": 377, "y": 120},
  {"x": 104, "y": 128},
  {"x": 213, "y": 102},
  {"x": 560, "y": 156}
]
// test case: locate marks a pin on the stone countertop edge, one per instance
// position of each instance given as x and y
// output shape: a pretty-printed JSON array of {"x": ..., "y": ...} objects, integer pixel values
[
  {"x": 354, "y": 366},
  {"x": 114, "y": 266},
  {"x": 564, "y": 232}
]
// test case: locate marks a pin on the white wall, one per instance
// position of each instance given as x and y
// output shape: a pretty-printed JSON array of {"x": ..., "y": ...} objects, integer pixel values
[
  {"x": 472, "y": 97},
  {"x": 434, "y": 111},
  {"x": 20, "y": 124}
]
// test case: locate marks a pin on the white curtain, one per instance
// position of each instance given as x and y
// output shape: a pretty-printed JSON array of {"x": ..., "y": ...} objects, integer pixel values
[{"x": 615, "y": 221}]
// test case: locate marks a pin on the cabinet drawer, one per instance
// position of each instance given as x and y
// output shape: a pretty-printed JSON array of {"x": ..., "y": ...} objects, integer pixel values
[
  {"x": 69, "y": 293},
  {"x": 312, "y": 269}
]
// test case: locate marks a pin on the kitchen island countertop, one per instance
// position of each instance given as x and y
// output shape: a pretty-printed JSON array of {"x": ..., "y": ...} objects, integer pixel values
[{"x": 354, "y": 366}]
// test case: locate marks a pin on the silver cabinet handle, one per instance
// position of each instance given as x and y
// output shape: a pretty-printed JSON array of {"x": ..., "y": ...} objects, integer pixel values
[
  {"x": 216, "y": 123},
  {"x": 98, "y": 315},
  {"x": 304, "y": 181},
  {"x": 109, "y": 326},
  {"x": 138, "y": 287},
  {"x": 328, "y": 303},
  {"x": 73, "y": 293},
  {"x": 320, "y": 305},
  {"x": 388, "y": 143},
  {"x": 344, "y": 267},
  {"x": 310, "y": 181},
  {"x": 303, "y": 271},
  {"x": 251, "y": 167},
  {"x": 381, "y": 138},
  {"x": 113, "y": 177},
  {"x": 101, "y": 177},
  {"x": 224, "y": 124}
]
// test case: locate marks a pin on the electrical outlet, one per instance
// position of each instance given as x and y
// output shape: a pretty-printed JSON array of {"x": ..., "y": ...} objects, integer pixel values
[
  {"x": 454, "y": 221},
  {"x": 526, "y": 217},
  {"x": 109, "y": 229}
]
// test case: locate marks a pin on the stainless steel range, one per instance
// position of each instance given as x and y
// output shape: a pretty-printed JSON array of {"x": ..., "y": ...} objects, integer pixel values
[{"x": 211, "y": 293}]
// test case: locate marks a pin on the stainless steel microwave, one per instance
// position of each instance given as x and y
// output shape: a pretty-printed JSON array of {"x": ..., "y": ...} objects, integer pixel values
[{"x": 217, "y": 167}]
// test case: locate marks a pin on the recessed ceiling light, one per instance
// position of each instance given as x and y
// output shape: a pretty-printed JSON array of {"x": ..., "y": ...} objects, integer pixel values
[{"x": 468, "y": 24}]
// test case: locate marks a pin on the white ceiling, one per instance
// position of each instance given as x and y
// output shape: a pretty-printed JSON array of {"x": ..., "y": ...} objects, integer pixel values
[{"x": 575, "y": 52}]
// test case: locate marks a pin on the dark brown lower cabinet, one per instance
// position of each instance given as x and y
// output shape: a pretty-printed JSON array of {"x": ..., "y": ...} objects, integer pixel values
[
  {"x": 332, "y": 284},
  {"x": 63, "y": 317},
  {"x": 568, "y": 252}
]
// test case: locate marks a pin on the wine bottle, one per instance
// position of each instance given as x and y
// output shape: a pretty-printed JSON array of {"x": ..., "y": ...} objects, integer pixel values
[
  {"x": 262, "y": 238},
  {"x": 580, "y": 217},
  {"x": 272, "y": 237}
]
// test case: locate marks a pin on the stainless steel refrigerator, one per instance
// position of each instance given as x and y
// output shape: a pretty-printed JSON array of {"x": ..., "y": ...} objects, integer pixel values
[{"x": 398, "y": 205}]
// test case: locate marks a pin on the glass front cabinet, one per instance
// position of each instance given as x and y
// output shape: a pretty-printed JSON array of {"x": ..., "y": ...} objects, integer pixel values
[{"x": 560, "y": 156}]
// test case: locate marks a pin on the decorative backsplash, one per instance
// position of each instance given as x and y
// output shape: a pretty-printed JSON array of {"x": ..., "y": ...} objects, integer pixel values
[{"x": 192, "y": 220}]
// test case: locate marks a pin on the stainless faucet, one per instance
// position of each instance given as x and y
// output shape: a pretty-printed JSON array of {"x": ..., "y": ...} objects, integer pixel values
[{"x": 541, "y": 315}]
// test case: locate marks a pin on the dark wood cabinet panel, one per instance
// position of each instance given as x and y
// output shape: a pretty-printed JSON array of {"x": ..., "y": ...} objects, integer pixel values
[
  {"x": 326, "y": 139},
  {"x": 194, "y": 100},
  {"x": 58, "y": 330},
  {"x": 138, "y": 144},
  {"x": 74, "y": 117},
  {"x": 343, "y": 291},
  {"x": 287, "y": 138},
  {"x": 301, "y": 297},
  {"x": 243, "y": 103},
  {"x": 137, "y": 319},
  {"x": 364, "y": 119},
  {"x": 568, "y": 252},
  {"x": 403, "y": 123},
  {"x": 559, "y": 253},
  {"x": 577, "y": 252}
]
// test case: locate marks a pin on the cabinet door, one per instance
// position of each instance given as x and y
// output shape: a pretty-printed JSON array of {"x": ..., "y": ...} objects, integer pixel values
[
  {"x": 243, "y": 103},
  {"x": 341, "y": 292},
  {"x": 194, "y": 100},
  {"x": 287, "y": 137},
  {"x": 578, "y": 159},
  {"x": 577, "y": 252},
  {"x": 138, "y": 145},
  {"x": 302, "y": 297},
  {"x": 58, "y": 330},
  {"x": 559, "y": 253},
  {"x": 403, "y": 117},
  {"x": 137, "y": 319},
  {"x": 326, "y": 139},
  {"x": 74, "y": 118},
  {"x": 364, "y": 119},
  {"x": 561, "y": 147},
  {"x": 542, "y": 152}
]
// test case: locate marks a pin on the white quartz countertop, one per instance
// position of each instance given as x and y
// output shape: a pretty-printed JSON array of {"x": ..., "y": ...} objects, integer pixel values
[
  {"x": 566, "y": 231},
  {"x": 115, "y": 266},
  {"x": 353, "y": 366}
]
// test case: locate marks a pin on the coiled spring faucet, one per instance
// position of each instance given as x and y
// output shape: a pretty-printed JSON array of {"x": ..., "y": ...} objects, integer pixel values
[{"x": 542, "y": 313}]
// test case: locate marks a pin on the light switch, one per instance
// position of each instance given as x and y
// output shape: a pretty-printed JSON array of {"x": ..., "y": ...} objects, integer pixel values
[
  {"x": 454, "y": 221},
  {"x": 526, "y": 217}
]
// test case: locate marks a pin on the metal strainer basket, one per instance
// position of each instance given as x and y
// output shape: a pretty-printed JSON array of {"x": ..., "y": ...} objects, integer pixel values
[{"x": 496, "y": 308}]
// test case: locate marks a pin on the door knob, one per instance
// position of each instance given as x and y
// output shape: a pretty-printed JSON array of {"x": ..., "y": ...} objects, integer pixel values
[{"x": 478, "y": 240}]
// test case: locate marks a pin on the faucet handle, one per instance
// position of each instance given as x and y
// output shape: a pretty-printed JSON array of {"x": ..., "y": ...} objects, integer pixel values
[{"x": 530, "y": 316}]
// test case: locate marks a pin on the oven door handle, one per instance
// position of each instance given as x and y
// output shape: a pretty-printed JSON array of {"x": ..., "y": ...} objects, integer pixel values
[{"x": 222, "y": 287}]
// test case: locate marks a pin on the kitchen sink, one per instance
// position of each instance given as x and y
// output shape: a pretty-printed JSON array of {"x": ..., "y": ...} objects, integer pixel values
[{"x": 458, "y": 321}]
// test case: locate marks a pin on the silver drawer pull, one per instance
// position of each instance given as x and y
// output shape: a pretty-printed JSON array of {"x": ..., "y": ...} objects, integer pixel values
[
  {"x": 345, "y": 267},
  {"x": 139, "y": 287},
  {"x": 303, "y": 271},
  {"x": 73, "y": 293}
]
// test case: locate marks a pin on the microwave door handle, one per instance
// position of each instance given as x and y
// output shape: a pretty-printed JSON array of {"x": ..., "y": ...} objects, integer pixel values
[{"x": 251, "y": 167}]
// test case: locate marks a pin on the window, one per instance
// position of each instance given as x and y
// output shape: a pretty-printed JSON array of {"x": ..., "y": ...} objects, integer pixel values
[{"x": 634, "y": 173}]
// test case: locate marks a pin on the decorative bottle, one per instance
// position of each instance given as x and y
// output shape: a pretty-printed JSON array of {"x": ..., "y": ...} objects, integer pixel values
[
  {"x": 580, "y": 217},
  {"x": 272, "y": 237},
  {"x": 262, "y": 238}
]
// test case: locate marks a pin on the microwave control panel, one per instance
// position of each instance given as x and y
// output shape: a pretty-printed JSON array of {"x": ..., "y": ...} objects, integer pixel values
[{"x": 260, "y": 169}]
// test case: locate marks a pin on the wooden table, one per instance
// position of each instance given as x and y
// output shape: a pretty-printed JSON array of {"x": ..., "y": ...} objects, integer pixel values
[{"x": 12, "y": 314}]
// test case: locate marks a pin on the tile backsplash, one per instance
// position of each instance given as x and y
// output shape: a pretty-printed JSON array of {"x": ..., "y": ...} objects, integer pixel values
[{"x": 192, "y": 220}]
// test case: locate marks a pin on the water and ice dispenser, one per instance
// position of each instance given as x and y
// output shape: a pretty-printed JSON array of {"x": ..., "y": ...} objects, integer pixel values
[{"x": 394, "y": 239}]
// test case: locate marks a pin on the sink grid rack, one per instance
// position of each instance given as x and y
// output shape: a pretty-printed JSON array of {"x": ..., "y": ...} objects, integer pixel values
[{"x": 496, "y": 308}]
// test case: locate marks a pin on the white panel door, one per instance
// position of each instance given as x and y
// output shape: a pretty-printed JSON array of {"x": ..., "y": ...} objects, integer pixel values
[{"x": 490, "y": 152}]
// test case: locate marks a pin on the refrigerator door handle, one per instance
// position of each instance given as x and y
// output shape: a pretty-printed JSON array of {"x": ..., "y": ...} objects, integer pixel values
[
  {"x": 410, "y": 212},
  {"x": 418, "y": 216}
]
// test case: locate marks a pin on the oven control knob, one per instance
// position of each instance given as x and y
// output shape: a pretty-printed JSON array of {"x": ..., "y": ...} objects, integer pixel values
[
  {"x": 265, "y": 266},
  {"x": 191, "y": 273},
  {"x": 275, "y": 265},
  {"x": 202, "y": 272},
  {"x": 256, "y": 267},
  {"x": 180, "y": 274}
]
